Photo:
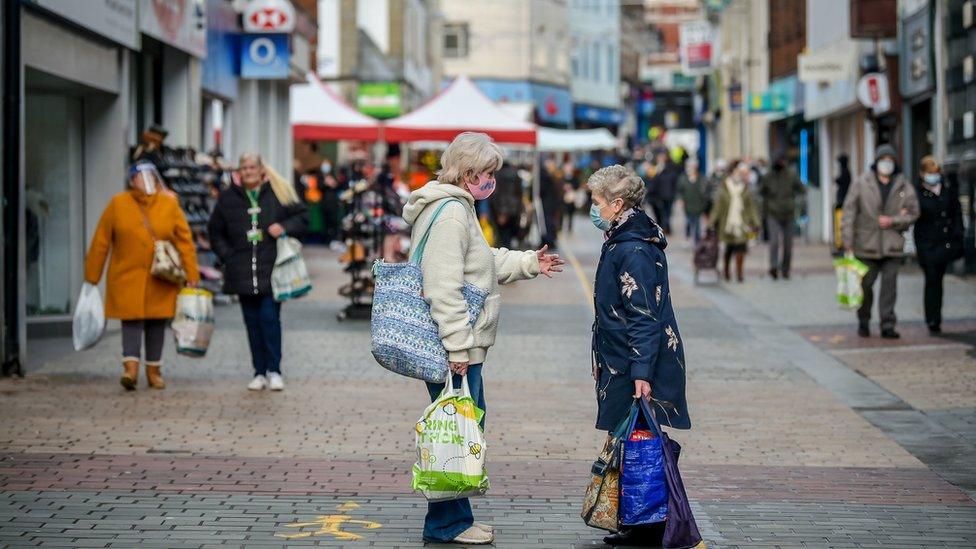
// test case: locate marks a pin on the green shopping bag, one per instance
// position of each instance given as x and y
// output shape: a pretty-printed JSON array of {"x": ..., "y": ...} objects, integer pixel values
[
  {"x": 451, "y": 447},
  {"x": 850, "y": 271}
]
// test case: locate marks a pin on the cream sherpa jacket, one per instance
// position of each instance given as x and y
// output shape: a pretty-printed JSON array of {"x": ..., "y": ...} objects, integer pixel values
[{"x": 456, "y": 253}]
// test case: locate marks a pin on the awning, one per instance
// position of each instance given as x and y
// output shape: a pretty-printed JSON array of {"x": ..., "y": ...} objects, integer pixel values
[
  {"x": 553, "y": 140},
  {"x": 460, "y": 107},
  {"x": 318, "y": 114}
]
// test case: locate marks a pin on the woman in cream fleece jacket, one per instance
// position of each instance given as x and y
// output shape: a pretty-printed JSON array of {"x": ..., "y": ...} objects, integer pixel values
[{"x": 456, "y": 254}]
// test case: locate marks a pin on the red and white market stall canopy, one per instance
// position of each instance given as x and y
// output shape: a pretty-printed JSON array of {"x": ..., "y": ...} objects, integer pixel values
[
  {"x": 461, "y": 107},
  {"x": 318, "y": 114}
]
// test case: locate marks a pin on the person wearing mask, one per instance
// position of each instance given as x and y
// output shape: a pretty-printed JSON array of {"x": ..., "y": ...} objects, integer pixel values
[
  {"x": 735, "y": 218},
  {"x": 506, "y": 204},
  {"x": 130, "y": 225},
  {"x": 780, "y": 189},
  {"x": 637, "y": 351},
  {"x": 879, "y": 206},
  {"x": 693, "y": 190},
  {"x": 664, "y": 187},
  {"x": 456, "y": 255},
  {"x": 938, "y": 235},
  {"x": 843, "y": 181},
  {"x": 244, "y": 226}
]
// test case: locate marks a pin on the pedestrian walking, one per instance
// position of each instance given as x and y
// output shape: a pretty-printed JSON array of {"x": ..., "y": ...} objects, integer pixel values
[
  {"x": 735, "y": 218},
  {"x": 938, "y": 235},
  {"x": 244, "y": 226},
  {"x": 506, "y": 204},
  {"x": 780, "y": 190},
  {"x": 571, "y": 187},
  {"x": 843, "y": 181},
  {"x": 879, "y": 206},
  {"x": 664, "y": 188},
  {"x": 551, "y": 197},
  {"x": 637, "y": 348},
  {"x": 456, "y": 255},
  {"x": 131, "y": 225},
  {"x": 693, "y": 190}
]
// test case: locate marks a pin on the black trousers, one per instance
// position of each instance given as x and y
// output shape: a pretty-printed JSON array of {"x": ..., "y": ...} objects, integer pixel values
[
  {"x": 887, "y": 268},
  {"x": 934, "y": 266},
  {"x": 153, "y": 331}
]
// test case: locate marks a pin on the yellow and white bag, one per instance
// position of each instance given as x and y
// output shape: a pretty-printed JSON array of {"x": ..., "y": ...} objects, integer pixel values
[{"x": 193, "y": 324}]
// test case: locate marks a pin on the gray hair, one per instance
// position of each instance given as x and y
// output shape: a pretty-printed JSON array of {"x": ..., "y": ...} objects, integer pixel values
[
  {"x": 618, "y": 181},
  {"x": 469, "y": 154}
]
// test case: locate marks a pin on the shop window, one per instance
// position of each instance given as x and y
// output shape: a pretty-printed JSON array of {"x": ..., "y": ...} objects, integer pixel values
[
  {"x": 54, "y": 203},
  {"x": 456, "y": 40}
]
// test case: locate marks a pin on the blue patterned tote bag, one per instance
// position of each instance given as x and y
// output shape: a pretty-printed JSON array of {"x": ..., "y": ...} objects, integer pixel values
[{"x": 403, "y": 333}]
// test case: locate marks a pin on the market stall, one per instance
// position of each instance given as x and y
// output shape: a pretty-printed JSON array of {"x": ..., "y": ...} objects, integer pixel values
[{"x": 318, "y": 114}]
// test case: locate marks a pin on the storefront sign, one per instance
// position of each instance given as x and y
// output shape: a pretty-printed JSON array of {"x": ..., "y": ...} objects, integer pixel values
[
  {"x": 552, "y": 103},
  {"x": 114, "y": 19},
  {"x": 735, "y": 97},
  {"x": 379, "y": 99},
  {"x": 269, "y": 16},
  {"x": 916, "y": 59},
  {"x": 179, "y": 23},
  {"x": 599, "y": 115},
  {"x": 872, "y": 92},
  {"x": 769, "y": 102},
  {"x": 220, "y": 65},
  {"x": 264, "y": 56},
  {"x": 696, "y": 49},
  {"x": 822, "y": 67}
]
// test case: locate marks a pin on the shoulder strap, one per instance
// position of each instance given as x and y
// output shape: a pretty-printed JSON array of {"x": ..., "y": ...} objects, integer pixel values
[
  {"x": 145, "y": 219},
  {"x": 418, "y": 251}
]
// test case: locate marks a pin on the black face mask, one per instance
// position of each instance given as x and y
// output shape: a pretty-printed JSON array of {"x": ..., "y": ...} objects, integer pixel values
[{"x": 779, "y": 167}]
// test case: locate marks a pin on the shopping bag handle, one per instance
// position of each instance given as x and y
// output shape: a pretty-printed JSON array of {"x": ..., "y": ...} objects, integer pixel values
[
  {"x": 449, "y": 389},
  {"x": 418, "y": 252}
]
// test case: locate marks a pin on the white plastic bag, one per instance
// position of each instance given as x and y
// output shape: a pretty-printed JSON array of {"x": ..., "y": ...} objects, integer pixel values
[
  {"x": 451, "y": 447},
  {"x": 289, "y": 278},
  {"x": 193, "y": 324},
  {"x": 89, "y": 320}
]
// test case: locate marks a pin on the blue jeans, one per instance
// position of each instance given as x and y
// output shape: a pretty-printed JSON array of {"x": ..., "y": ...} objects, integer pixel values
[
  {"x": 445, "y": 520},
  {"x": 693, "y": 227},
  {"x": 262, "y": 317}
]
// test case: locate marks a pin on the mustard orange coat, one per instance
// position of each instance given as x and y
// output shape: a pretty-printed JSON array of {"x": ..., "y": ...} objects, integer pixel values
[{"x": 131, "y": 292}]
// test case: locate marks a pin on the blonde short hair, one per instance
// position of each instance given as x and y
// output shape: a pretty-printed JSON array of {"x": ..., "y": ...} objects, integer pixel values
[
  {"x": 929, "y": 164},
  {"x": 470, "y": 153},
  {"x": 615, "y": 182}
]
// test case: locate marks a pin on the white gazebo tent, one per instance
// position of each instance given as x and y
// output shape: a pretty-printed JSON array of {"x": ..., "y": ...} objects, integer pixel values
[
  {"x": 553, "y": 140},
  {"x": 318, "y": 114}
]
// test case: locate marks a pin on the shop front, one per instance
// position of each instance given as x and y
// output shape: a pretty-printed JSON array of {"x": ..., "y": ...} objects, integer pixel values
[{"x": 553, "y": 104}]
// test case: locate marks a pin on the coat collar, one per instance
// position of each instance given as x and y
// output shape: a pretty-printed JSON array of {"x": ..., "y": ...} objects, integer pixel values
[{"x": 638, "y": 227}]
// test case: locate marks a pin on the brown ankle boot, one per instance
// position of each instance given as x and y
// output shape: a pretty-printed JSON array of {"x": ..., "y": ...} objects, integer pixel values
[
  {"x": 131, "y": 374},
  {"x": 739, "y": 271},
  {"x": 154, "y": 377}
]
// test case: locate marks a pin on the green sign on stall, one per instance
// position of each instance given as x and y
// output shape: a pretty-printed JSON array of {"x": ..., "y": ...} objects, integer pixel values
[{"x": 379, "y": 99}]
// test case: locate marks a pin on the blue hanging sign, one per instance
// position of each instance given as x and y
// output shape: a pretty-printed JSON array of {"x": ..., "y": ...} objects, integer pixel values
[{"x": 265, "y": 56}]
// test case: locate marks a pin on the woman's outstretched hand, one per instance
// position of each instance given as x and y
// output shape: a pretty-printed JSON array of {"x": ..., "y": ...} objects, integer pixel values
[
  {"x": 642, "y": 389},
  {"x": 549, "y": 263}
]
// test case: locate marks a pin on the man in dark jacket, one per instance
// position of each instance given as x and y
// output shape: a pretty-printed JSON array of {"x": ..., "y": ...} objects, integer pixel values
[
  {"x": 506, "y": 204},
  {"x": 879, "y": 207},
  {"x": 780, "y": 189},
  {"x": 663, "y": 188}
]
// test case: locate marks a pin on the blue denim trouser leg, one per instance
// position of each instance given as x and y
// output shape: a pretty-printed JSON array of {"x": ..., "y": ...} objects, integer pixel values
[
  {"x": 262, "y": 317},
  {"x": 447, "y": 519}
]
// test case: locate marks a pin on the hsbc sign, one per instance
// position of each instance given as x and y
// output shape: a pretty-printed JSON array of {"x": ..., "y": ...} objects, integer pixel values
[{"x": 269, "y": 16}]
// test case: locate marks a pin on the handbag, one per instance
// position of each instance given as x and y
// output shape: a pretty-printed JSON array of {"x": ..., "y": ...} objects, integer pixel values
[
  {"x": 601, "y": 503},
  {"x": 403, "y": 335},
  {"x": 166, "y": 264}
]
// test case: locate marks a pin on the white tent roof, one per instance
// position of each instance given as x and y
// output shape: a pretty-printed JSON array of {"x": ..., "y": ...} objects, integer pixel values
[
  {"x": 576, "y": 140},
  {"x": 318, "y": 114},
  {"x": 459, "y": 108}
]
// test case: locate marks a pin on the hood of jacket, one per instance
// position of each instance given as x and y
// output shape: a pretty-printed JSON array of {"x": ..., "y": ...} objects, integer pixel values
[
  {"x": 432, "y": 192},
  {"x": 639, "y": 227}
]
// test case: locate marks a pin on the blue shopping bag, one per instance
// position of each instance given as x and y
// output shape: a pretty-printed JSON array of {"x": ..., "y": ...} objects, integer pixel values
[{"x": 643, "y": 479}]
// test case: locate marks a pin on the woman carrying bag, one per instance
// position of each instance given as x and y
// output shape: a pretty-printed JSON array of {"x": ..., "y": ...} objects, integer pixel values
[
  {"x": 735, "y": 218},
  {"x": 244, "y": 226},
  {"x": 637, "y": 349},
  {"x": 152, "y": 255},
  {"x": 456, "y": 254}
]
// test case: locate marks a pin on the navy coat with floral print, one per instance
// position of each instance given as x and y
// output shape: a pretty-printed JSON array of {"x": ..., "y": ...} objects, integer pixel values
[{"x": 635, "y": 335}]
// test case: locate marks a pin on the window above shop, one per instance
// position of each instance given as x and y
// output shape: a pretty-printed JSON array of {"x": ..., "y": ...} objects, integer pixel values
[{"x": 456, "y": 40}]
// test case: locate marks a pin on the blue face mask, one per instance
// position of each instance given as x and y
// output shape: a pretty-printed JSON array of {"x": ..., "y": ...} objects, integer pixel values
[
  {"x": 600, "y": 223},
  {"x": 933, "y": 178}
]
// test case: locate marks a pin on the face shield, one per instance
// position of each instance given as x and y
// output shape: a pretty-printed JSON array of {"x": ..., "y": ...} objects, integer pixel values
[{"x": 145, "y": 177}]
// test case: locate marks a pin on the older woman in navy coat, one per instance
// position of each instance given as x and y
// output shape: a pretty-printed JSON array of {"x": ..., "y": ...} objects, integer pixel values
[{"x": 637, "y": 348}]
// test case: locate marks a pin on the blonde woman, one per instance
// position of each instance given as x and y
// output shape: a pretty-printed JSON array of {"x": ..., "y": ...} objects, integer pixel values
[
  {"x": 244, "y": 225},
  {"x": 457, "y": 254}
]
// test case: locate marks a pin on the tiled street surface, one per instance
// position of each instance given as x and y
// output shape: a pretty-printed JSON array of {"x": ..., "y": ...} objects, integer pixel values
[{"x": 804, "y": 435}]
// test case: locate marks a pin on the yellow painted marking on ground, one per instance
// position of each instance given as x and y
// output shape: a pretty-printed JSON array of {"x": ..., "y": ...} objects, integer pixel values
[
  {"x": 578, "y": 269},
  {"x": 837, "y": 338},
  {"x": 331, "y": 525},
  {"x": 815, "y": 338}
]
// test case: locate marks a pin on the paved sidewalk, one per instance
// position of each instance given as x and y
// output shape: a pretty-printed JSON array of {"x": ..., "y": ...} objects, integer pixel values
[{"x": 795, "y": 439}]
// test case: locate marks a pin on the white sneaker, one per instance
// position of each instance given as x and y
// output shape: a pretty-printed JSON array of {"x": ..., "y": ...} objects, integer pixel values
[
  {"x": 275, "y": 383},
  {"x": 257, "y": 384},
  {"x": 474, "y": 536},
  {"x": 484, "y": 527}
]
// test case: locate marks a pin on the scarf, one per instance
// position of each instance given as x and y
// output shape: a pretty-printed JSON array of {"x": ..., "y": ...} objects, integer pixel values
[
  {"x": 734, "y": 224},
  {"x": 616, "y": 223}
]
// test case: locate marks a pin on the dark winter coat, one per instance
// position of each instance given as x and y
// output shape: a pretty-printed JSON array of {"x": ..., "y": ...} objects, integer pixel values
[
  {"x": 862, "y": 206},
  {"x": 939, "y": 229},
  {"x": 694, "y": 195},
  {"x": 664, "y": 184},
  {"x": 780, "y": 191},
  {"x": 247, "y": 266},
  {"x": 635, "y": 334}
]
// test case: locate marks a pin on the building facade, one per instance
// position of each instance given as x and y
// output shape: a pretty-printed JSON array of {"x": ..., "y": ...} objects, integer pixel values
[{"x": 595, "y": 60}]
